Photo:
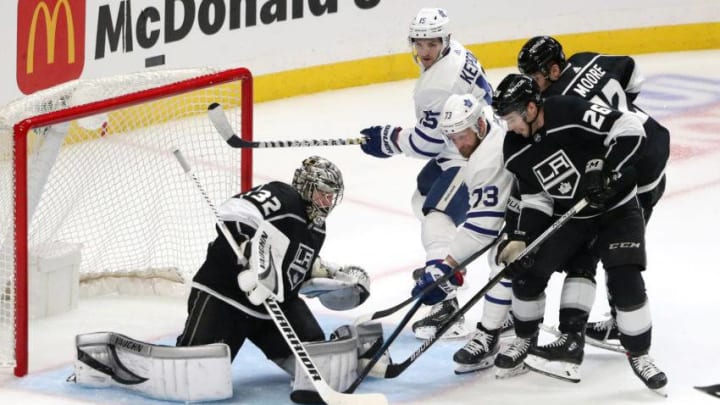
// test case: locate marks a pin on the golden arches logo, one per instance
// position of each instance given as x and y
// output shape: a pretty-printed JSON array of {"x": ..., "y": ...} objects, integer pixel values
[{"x": 51, "y": 20}]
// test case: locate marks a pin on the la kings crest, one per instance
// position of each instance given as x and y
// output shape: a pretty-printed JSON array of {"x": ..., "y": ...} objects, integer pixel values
[{"x": 557, "y": 175}]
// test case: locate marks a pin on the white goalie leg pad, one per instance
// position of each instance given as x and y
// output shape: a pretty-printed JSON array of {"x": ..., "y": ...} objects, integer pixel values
[
  {"x": 337, "y": 362},
  {"x": 196, "y": 373},
  {"x": 370, "y": 339}
]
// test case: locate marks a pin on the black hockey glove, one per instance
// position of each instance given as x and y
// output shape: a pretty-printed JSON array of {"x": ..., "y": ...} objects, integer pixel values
[
  {"x": 505, "y": 254},
  {"x": 597, "y": 184}
]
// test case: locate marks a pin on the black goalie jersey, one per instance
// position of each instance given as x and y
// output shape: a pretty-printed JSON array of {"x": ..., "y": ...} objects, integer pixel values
[
  {"x": 549, "y": 165},
  {"x": 280, "y": 204}
]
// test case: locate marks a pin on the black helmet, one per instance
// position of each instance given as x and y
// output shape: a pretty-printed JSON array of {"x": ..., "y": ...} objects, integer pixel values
[
  {"x": 514, "y": 93},
  {"x": 537, "y": 54}
]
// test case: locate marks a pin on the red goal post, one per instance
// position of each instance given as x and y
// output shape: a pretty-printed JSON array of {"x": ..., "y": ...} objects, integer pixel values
[{"x": 108, "y": 189}]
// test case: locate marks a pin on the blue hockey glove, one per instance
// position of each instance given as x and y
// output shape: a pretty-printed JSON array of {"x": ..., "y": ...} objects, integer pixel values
[
  {"x": 381, "y": 141},
  {"x": 437, "y": 294}
]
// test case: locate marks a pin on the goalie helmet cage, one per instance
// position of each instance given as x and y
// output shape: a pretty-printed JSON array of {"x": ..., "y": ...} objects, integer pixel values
[{"x": 107, "y": 185}]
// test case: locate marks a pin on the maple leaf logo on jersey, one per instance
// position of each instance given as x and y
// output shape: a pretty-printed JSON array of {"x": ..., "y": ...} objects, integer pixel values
[{"x": 557, "y": 175}]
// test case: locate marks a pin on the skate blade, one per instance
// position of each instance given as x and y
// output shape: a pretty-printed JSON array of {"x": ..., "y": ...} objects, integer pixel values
[
  {"x": 458, "y": 331},
  {"x": 660, "y": 391},
  {"x": 471, "y": 368},
  {"x": 561, "y": 370},
  {"x": 604, "y": 344},
  {"x": 502, "y": 373}
]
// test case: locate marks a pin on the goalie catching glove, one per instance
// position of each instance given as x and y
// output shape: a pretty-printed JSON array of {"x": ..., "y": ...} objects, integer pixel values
[{"x": 338, "y": 288}]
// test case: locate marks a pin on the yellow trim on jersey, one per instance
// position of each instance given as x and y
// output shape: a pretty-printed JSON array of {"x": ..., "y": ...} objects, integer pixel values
[{"x": 395, "y": 67}]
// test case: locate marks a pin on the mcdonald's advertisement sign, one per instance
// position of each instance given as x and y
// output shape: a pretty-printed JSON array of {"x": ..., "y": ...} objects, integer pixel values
[{"x": 50, "y": 43}]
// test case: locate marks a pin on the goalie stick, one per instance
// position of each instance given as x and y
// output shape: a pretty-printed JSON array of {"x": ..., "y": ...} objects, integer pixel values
[
  {"x": 222, "y": 125},
  {"x": 394, "y": 370},
  {"x": 400, "y": 326},
  {"x": 327, "y": 393}
]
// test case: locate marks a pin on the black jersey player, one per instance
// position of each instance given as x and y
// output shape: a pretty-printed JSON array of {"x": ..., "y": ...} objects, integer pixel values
[
  {"x": 223, "y": 306},
  {"x": 610, "y": 80},
  {"x": 562, "y": 149}
]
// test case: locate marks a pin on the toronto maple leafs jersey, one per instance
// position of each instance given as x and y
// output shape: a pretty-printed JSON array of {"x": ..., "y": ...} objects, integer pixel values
[
  {"x": 615, "y": 81},
  {"x": 550, "y": 164},
  {"x": 489, "y": 185},
  {"x": 280, "y": 204},
  {"x": 458, "y": 72}
]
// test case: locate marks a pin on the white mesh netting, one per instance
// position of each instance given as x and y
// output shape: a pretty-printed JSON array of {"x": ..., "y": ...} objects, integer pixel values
[{"x": 114, "y": 191}]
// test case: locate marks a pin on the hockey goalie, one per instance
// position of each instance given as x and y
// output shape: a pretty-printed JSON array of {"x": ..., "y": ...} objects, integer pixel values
[{"x": 276, "y": 223}]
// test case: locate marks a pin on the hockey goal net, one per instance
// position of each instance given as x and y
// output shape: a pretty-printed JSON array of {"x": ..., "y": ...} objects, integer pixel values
[{"x": 101, "y": 185}]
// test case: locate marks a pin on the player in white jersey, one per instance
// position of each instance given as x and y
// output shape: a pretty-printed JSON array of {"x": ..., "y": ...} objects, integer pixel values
[
  {"x": 441, "y": 197},
  {"x": 478, "y": 135}
]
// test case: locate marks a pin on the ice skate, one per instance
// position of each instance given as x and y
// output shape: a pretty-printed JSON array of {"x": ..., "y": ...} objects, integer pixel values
[
  {"x": 479, "y": 352},
  {"x": 510, "y": 361},
  {"x": 560, "y": 359},
  {"x": 604, "y": 334},
  {"x": 426, "y": 327},
  {"x": 507, "y": 328},
  {"x": 644, "y": 367}
]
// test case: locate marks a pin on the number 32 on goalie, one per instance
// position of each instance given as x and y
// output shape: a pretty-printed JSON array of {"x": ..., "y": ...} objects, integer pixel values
[{"x": 269, "y": 202}]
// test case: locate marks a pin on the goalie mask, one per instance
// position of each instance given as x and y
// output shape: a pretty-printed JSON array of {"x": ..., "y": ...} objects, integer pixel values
[
  {"x": 430, "y": 23},
  {"x": 320, "y": 184}
]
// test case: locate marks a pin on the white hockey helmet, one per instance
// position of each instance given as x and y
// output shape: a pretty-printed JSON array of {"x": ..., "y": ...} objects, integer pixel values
[
  {"x": 431, "y": 23},
  {"x": 461, "y": 111}
]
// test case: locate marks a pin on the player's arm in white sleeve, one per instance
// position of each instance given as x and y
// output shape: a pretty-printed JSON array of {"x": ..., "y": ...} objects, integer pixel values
[
  {"x": 485, "y": 218},
  {"x": 424, "y": 140}
]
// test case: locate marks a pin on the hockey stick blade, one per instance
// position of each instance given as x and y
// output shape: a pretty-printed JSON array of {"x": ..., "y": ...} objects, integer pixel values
[
  {"x": 393, "y": 370},
  {"x": 217, "y": 117},
  {"x": 388, "y": 311},
  {"x": 327, "y": 393},
  {"x": 222, "y": 126},
  {"x": 713, "y": 390}
]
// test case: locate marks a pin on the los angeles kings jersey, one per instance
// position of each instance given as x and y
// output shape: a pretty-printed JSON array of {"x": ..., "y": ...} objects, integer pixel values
[
  {"x": 280, "y": 204},
  {"x": 550, "y": 164},
  {"x": 615, "y": 81}
]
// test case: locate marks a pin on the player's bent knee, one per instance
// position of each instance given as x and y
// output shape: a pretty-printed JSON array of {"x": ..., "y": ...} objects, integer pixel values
[
  {"x": 109, "y": 359},
  {"x": 626, "y": 286}
]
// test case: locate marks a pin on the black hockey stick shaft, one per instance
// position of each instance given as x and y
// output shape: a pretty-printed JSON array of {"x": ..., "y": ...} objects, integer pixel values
[
  {"x": 393, "y": 370},
  {"x": 385, "y": 312},
  {"x": 222, "y": 125}
]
